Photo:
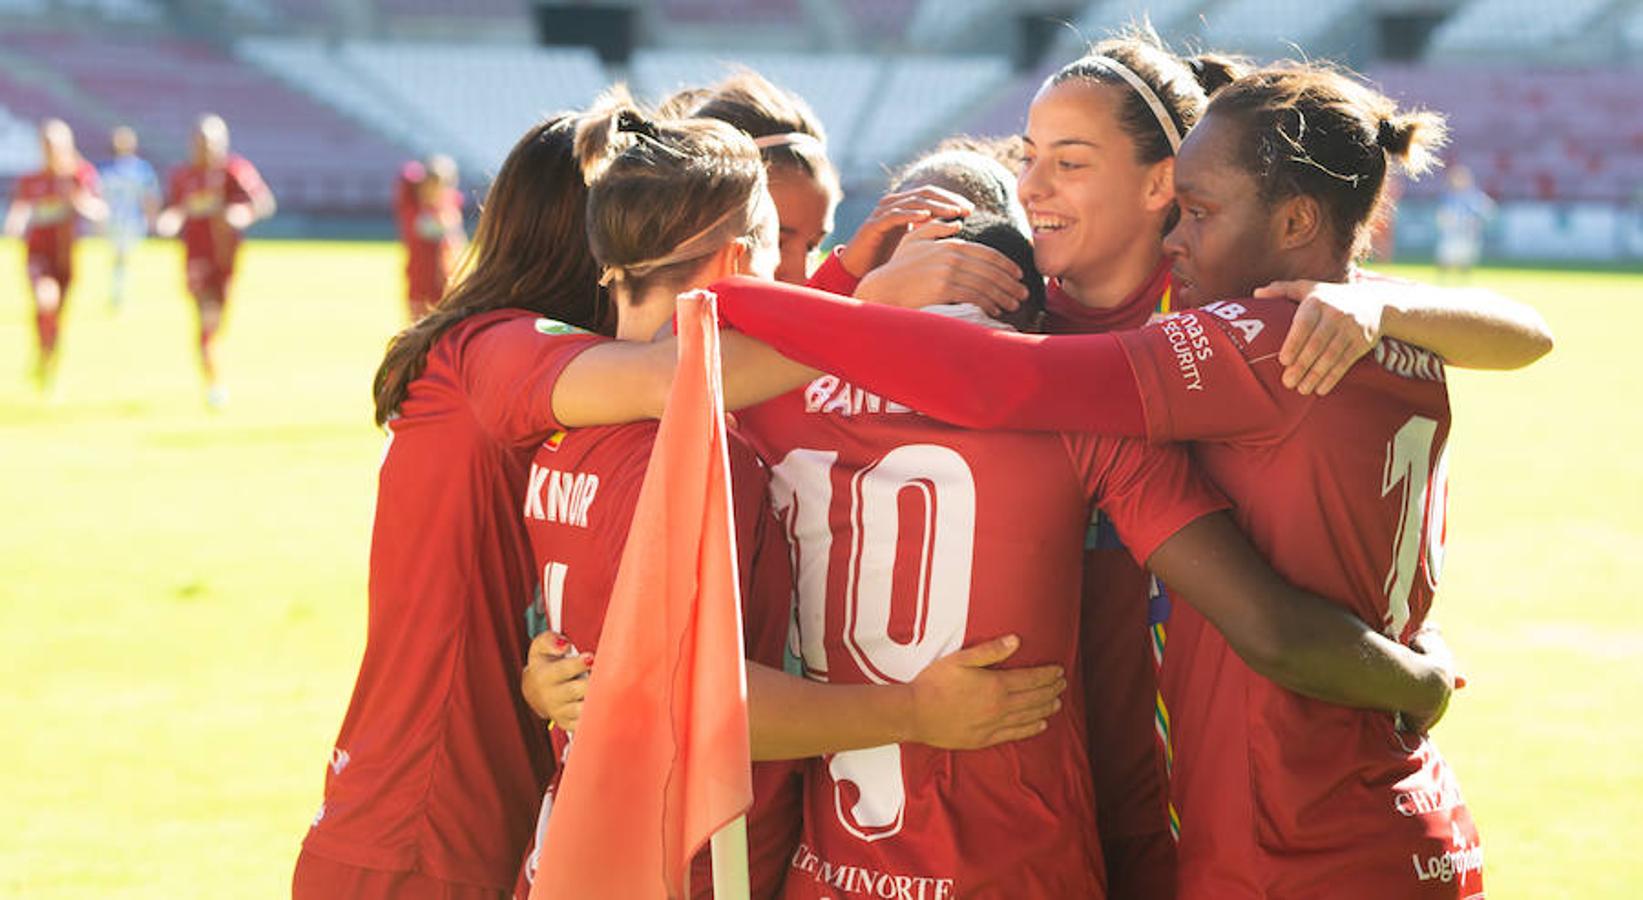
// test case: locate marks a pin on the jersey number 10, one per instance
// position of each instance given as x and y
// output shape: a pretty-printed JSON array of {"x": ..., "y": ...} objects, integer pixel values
[{"x": 939, "y": 537}]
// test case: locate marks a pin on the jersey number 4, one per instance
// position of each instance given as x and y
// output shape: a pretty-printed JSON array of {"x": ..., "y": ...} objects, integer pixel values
[{"x": 915, "y": 504}]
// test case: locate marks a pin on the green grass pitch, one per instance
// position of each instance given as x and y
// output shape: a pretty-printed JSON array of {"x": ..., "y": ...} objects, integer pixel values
[{"x": 182, "y": 593}]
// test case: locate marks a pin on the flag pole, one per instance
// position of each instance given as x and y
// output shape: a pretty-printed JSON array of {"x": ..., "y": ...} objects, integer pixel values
[{"x": 730, "y": 861}]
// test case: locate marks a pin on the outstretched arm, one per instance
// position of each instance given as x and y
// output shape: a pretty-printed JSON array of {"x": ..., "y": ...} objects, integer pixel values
[
  {"x": 1300, "y": 641},
  {"x": 1473, "y": 328},
  {"x": 947, "y": 369}
]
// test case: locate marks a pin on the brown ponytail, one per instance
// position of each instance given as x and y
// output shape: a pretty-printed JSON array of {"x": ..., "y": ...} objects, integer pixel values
[
  {"x": 529, "y": 252},
  {"x": 665, "y": 183},
  {"x": 1412, "y": 139}
]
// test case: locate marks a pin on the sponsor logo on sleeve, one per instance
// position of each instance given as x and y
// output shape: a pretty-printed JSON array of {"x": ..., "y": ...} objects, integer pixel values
[
  {"x": 1190, "y": 345},
  {"x": 1239, "y": 318},
  {"x": 553, "y": 326}
]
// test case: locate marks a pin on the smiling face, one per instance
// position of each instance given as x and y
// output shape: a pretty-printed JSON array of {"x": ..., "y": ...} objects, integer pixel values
[
  {"x": 805, "y": 208},
  {"x": 1227, "y": 242},
  {"x": 1089, "y": 200}
]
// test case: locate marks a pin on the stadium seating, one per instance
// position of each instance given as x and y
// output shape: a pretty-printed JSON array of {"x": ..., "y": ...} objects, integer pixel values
[
  {"x": 838, "y": 87},
  {"x": 313, "y": 158},
  {"x": 1170, "y": 17},
  {"x": 484, "y": 95},
  {"x": 123, "y": 11},
  {"x": 316, "y": 69},
  {"x": 1272, "y": 26},
  {"x": 938, "y": 24},
  {"x": 1521, "y": 135},
  {"x": 918, "y": 102},
  {"x": 733, "y": 12},
  {"x": 879, "y": 21},
  {"x": 19, "y": 144},
  {"x": 1631, "y": 32},
  {"x": 1503, "y": 26}
]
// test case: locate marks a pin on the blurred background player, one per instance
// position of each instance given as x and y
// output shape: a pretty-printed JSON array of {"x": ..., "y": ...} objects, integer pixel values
[
  {"x": 210, "y": 201},
  {"x": 1463, "y": 212},
  {"x": 132, "y": 192},
  {"x": 44, "y": 207},
  {"x": 428, "y": 208}
]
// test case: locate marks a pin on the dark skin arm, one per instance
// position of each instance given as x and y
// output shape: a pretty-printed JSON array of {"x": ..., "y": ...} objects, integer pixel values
[{"x": 1302, "y": 642}]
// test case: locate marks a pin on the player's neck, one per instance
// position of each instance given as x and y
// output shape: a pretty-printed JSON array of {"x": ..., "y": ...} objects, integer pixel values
[
  {"x": 640, "y": 318},
  {"x": 1110, "y": 282},
  {"x": 1316, "y": 263}
]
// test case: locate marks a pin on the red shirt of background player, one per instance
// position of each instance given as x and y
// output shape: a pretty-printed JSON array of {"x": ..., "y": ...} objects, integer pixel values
[
  {"x": 1345, "y": 495},
  {"x": 202, "y": 194},
  {"x": 431, "y": 235},
  {"x": 52, "y": 218},
  {"x": 912, "y": 539},
  {"x": 439, "y": 764},
  {"x": 579, "y": 504}
]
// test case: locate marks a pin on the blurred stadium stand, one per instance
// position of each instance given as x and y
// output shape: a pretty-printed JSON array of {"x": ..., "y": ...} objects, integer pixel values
[{"x": 327, "y": 96}]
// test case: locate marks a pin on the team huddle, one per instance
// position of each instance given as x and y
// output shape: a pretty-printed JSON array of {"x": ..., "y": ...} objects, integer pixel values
[{"x": 1088, "y": 529}]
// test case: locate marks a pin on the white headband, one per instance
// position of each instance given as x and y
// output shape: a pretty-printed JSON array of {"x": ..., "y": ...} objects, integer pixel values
[
  {"x": 735, "y": 223},
  {"x": 1146, "y": 94},
  {"x": 789, "y": 139}
]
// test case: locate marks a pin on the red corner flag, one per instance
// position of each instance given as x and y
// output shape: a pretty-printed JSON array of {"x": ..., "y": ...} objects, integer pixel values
[{"x": 660, "y": 760}]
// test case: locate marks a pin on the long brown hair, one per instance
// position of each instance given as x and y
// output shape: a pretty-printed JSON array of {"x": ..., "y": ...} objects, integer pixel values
[{"x": 529, "y": 251}]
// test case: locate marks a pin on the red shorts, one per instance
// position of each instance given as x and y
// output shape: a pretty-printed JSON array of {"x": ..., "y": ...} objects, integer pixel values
[
  {"x": 208, "y": 276},
  {"x": 57, "y": 267},
  {"x": 319, "y": 878}
]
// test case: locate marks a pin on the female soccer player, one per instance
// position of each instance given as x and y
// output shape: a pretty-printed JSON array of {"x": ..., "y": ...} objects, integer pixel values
[
  {"x": 210, "y": 202},
  {"x": 439, "y": 766},
  {"x": 428, "y": 207},
  {"x": 679, "y": 205},
  {"x": 46, "y": 206},
  {"x": 1102, "y": 135},
  {"x": 1277, "y": 793},
  {"x": 805, "y": 186}
]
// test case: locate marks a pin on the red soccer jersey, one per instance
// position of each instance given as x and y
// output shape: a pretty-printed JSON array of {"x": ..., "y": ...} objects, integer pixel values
[
  {"x": 1345, "y": 494},
  {"x": 429, "y": 232},
  {"x": 579, "y": 504},
  {"x": 202, "y": 194},
  {"x": 911, "y": 540},
  {"x": 439, "y": 763},
  {"x": 51, "y": 222},
  {"x": 1123, "y": 603}
]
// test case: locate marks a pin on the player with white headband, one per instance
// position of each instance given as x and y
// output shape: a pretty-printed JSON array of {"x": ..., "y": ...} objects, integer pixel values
[{"x": 1098, "y": 186}]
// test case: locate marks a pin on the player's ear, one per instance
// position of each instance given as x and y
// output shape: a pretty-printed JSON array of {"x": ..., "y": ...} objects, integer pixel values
[
  {"x": 1299, "y": 222},
  {"x": 1159, "y": 191},
  {"x": 731, "y": 259}
]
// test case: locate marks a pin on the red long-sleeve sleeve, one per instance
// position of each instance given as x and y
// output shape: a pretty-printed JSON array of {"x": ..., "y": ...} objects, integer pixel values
[{"x": 947, "y": 369}]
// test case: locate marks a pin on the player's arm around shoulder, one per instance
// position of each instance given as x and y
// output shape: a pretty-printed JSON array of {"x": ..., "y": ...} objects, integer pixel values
[
  {"x": 1295, "y": 639},
  {"x": 1336, "y": 324}
]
